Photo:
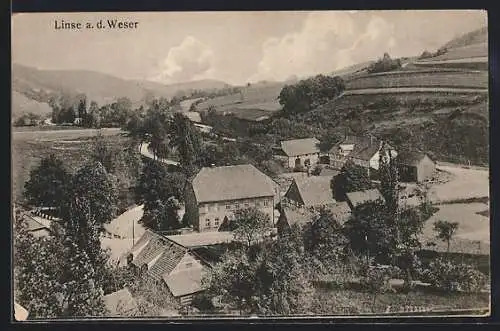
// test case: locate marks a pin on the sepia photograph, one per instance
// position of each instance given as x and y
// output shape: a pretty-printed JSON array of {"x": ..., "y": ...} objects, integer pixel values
[{"x": 250, "y": 164}]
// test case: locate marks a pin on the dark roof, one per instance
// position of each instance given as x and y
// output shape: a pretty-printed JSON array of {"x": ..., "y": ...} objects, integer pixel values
[
  {"x": 410, "y": 158},
  {"x": 231, "y": 183},
  {"x": 364, "y": 146},
  {"x": 315, "y": 190},
  {"x": 159, "y": 251},
  {"x": 360, "y": 197},
  {"x": 297, "y": 147}
]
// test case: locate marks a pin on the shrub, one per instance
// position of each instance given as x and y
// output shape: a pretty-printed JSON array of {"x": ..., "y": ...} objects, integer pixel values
[{"x": 448, "y": 276}]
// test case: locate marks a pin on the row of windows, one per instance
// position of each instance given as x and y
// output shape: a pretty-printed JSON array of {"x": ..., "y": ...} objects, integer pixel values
[
  {"x": 265, "y": 203},
  {"x": 208, "y": 223}
]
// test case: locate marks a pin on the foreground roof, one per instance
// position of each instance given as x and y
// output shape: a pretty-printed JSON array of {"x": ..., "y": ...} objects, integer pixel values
[
  {"x": 162, "y": 255},
  {"x": 315, "y": 190},
  {"x": 360, "y": 197},
  {"x": 300, "y": 146},
  {"x": 231, "y": 183},
  {"x": 120, "y": 303}
]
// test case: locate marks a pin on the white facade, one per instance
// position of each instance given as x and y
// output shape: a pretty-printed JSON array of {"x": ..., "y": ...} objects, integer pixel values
[{"x": 302, "y": 160}]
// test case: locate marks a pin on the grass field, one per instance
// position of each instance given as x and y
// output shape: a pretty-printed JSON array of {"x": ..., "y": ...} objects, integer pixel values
[
  {"x": 471, "y": 79},
  {"x": 263, "y": 97},
  {"x": 476, "y": 50},
  {"x": 29, "y": 147}
]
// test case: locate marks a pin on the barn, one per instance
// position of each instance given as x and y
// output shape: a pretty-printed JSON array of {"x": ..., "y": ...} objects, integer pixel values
[{"x": 415, "y": 166}]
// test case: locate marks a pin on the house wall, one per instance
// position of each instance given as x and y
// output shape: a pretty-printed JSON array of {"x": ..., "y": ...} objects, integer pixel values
[
  {"x": 425, "y": 169},
  {"x": 212, "y": 214},
  {"x": 313, "y": 157}
]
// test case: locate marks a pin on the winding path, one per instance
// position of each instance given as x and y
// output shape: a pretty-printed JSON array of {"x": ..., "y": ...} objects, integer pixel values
[{"x": 144, "y": 150}]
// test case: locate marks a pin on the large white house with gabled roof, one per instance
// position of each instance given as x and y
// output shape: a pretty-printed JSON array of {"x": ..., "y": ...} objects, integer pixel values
[{"x": 215, "y": 193}]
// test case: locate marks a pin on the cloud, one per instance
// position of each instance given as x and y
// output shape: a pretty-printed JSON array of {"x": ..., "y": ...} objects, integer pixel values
[
  {"x": 326, "y": 42},
  {"x": 191, "y": 60}
]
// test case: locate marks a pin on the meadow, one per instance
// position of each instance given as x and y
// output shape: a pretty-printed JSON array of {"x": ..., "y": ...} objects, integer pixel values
[
  {"x": 30, "y": 146},
  {"x": 261, "y": 96}
]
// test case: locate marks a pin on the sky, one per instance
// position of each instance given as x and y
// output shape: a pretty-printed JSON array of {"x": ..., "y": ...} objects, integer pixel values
[{"x": 235, "y": 47}]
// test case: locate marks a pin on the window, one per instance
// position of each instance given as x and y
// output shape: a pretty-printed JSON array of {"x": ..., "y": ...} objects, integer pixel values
[
  {"x": 216, "y": 222},
  {"x": 266, "y": 203},
  {"x": 189, "y": 265},
  {"x": 207, "y": 222}
]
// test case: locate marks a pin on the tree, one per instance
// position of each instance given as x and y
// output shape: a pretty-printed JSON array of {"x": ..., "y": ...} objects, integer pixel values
[
  {"x": 165, "y": 216},
  {"x": 54, "y": 277},
  {"x": 310, "y": 93},
  {"x": 156, "y": 184},
  {"x": 384, "y": 64},
  {"x": 250, "y": 225},
  {"x": 82, "y": 110},
  {"x": 389, "y": 181},
  {"x": 352, "y": 178},
  {"x": 368, "y": 231},
  {"x": 93, "y": 116},
  {"x": 323, "y": 237},
  {"x": 188, "y": 141},
  {"x": 48, "y": 183},
  {"x": 445, "y": 231}
]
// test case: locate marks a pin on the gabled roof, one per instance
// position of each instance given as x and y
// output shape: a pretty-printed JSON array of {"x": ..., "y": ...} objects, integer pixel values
[
  {"x": 158, "y": 248},
  {"x": 300, "y": 146},
  {"x": 410, "y": 158},
  {"x": 364, "y": 146},
  {"x": 231, "y": 183},
  {"x": 120, "y": 302},
  {"x": 360, "y": 197},
  {"x": 167, "y": 262},
  {"x": 315, "y": 190},
  {"x": 185, "y": 282},
  {"x": 295, "y": 215}
]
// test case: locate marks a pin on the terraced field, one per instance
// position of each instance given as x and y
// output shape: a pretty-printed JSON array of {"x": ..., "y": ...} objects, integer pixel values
[{"x": 448, "y": 79}]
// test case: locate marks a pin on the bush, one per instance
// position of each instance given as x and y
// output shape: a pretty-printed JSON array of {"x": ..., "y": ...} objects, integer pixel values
[{"x": 448, "y": 276}]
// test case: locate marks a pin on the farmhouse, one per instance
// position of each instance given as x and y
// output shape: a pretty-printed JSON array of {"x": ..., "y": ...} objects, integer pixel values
[
  {"x": 301, "y": 152},
  {"x": 311, "y": 191},
  {"x": 215, "y": 193},
  {"x": 355, "y": 199},
  {"x": 415, "y": 166},
  {"x": 170, "y": 263},
  {"x": 362, "y": 150}
]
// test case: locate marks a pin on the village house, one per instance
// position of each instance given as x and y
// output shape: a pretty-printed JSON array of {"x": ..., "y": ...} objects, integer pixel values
[
  {"x": 361, "y": 150},
  {"x": 415, "y": 166},
  {"x": 169, "y": 263},
  {"x": 300, "y": 152},
  {"x": 215, "y": 193},
  {"x": 354, "y": 199},
  {"x": 310, "y": 191},
  {"x": 291, "y": 214}
]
